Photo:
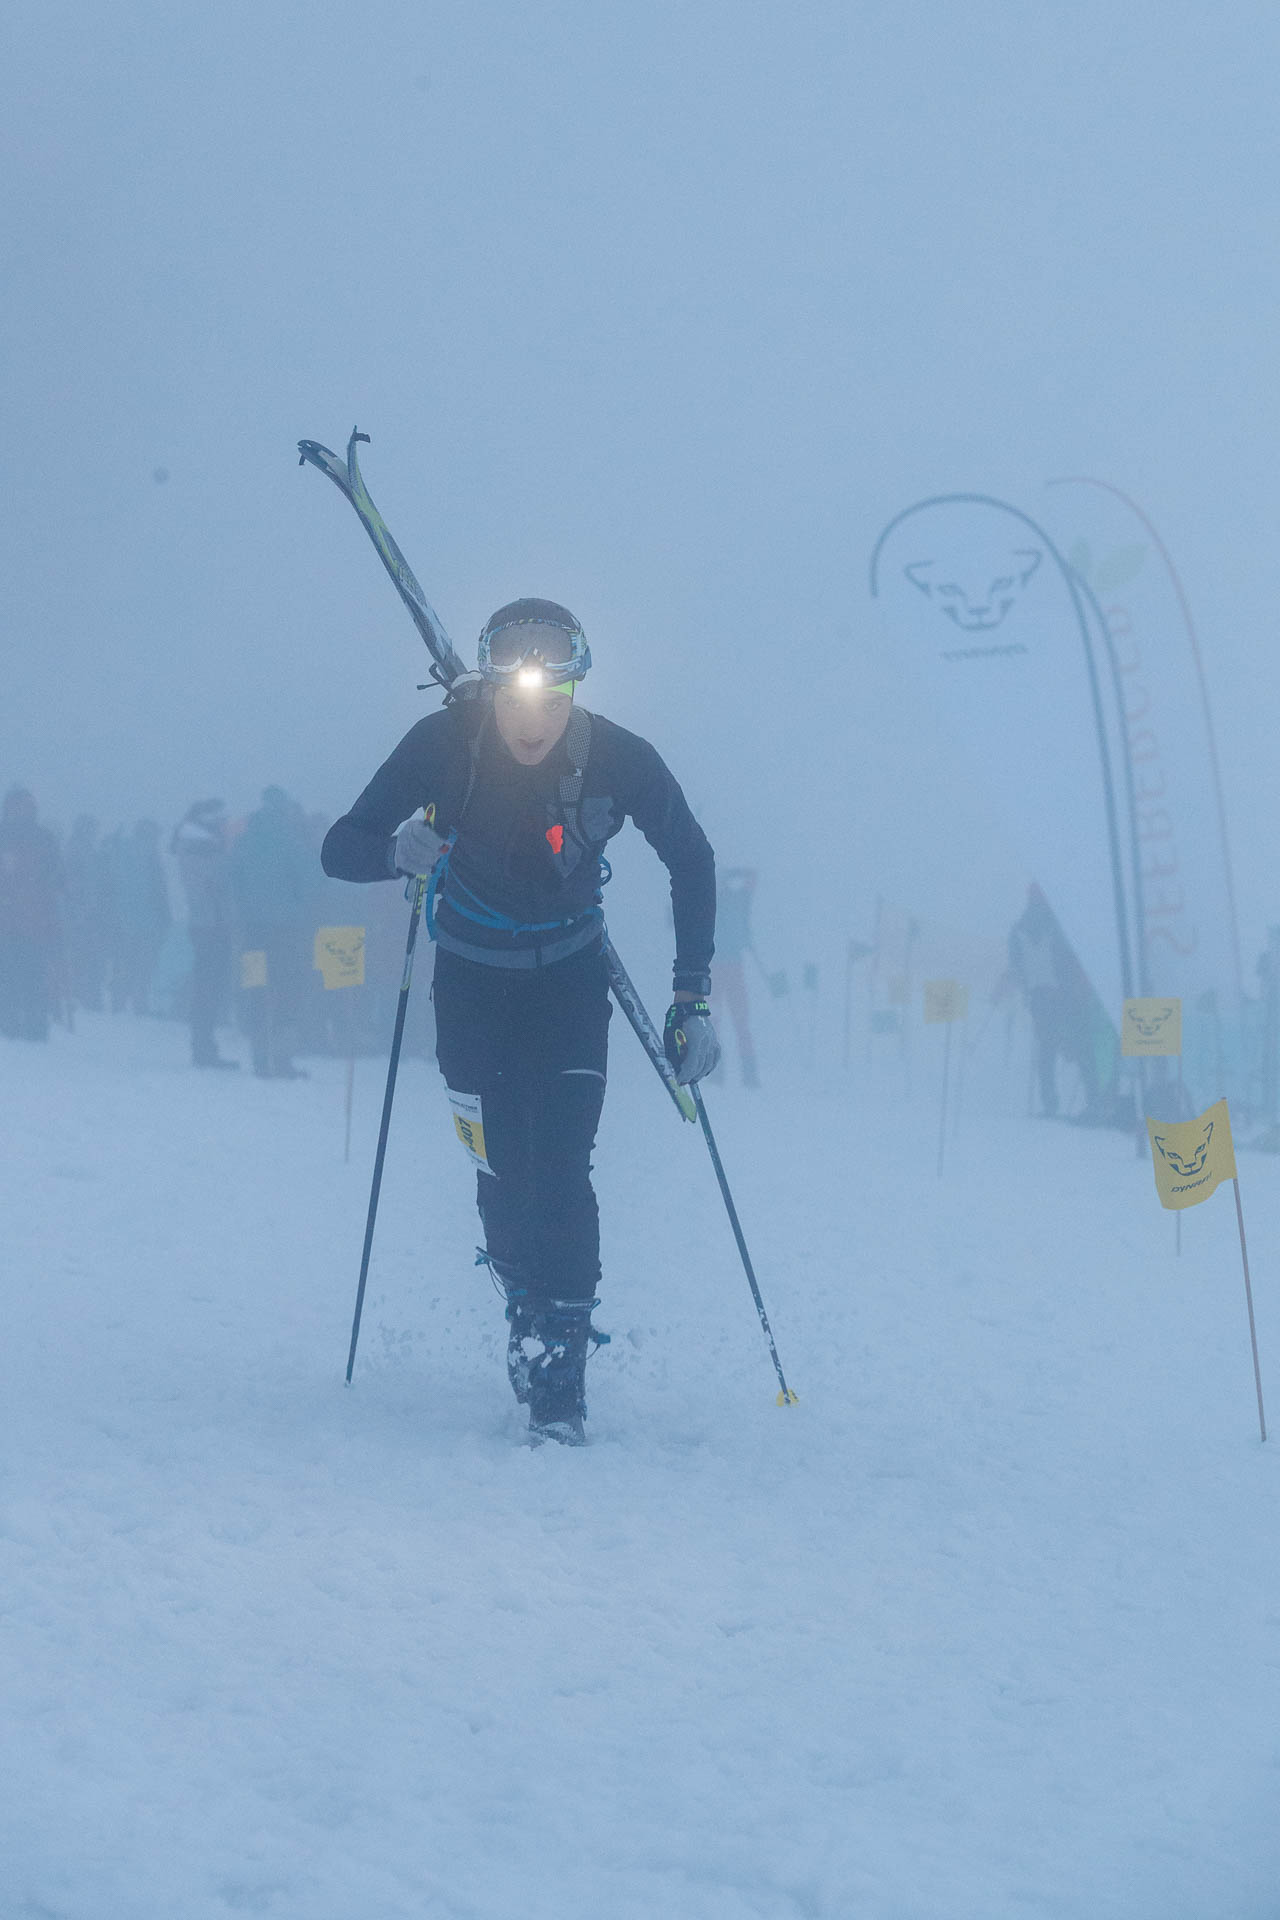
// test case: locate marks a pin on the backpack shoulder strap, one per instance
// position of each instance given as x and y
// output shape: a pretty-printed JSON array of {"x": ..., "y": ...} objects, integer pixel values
[
  {"x": 577, "y": 745},
  {"x": 476, "y": 740},
  {"x": 577, "y": 742}
]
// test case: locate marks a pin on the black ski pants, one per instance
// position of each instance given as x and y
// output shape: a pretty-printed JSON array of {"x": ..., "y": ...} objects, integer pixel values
[{"x": 534, "y": 1045}]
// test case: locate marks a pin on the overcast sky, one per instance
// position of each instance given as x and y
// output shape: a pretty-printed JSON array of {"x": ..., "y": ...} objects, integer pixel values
[{"x": 662, "y": 311}]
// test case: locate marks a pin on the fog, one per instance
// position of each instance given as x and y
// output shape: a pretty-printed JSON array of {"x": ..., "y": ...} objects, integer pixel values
[
  {"x": 847, "y": 370},
  {"x": 661, "y": 312}
]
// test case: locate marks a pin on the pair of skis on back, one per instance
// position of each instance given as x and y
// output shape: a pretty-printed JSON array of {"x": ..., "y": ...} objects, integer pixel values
[{"x": 448, "y": 668}]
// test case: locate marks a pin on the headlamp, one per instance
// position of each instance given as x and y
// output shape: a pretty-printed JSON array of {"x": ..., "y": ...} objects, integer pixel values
[{"x": 533, "y": 643}]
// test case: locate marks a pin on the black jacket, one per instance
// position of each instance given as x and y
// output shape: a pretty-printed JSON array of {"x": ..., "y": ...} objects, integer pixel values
[{"x": 523, "y": 880}]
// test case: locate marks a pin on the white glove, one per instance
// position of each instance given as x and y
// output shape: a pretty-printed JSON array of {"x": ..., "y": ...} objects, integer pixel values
[{"x": 417, "y": 848}]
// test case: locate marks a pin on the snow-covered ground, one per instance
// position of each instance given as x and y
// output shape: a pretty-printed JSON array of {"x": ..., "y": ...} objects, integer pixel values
[{"x": 987, "y": 1627}]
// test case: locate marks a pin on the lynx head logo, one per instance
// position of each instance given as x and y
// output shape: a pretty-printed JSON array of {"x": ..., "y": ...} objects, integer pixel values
[
  {"x": 343, "y": 952},
  {"x": 976, "y": 593},
  {"x": 1181, "y": 1164},
  {"x": 1151, "y": 1024}
]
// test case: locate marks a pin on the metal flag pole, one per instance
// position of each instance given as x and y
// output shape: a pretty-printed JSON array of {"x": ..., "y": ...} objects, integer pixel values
[
  {"x": 946, "y": 1075},
  {"x": 1178, "y": 1215},
  {"x": 1248, "y": 1294},
  {"x": 348, "y": 1104}
]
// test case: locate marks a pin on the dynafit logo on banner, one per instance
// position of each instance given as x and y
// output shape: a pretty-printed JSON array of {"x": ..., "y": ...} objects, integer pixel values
[
  {"x": 973, "y": 596},
  {"x": 988, "y": 624}
]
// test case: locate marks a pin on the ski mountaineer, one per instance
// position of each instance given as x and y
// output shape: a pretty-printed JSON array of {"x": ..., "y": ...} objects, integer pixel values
[{"x": 507, "y": 798}]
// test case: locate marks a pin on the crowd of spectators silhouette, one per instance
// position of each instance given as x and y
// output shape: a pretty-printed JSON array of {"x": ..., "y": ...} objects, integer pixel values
[{"x": 213, "y": 927}]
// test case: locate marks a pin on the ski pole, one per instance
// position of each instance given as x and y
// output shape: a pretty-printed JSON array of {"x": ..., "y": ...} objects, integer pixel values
[
  {"x": 624, "y": 992},
  {"x": 786, "y": 1398},
  {"x": 393, "y": 1067}
]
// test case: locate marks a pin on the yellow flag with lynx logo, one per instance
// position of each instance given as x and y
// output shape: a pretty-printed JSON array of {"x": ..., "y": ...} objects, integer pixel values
[
  {"x": 338, "y": 953},
  {"x": 945, "y": 1001},
  {"x": 1192, "y": 1157},
  {"x": 1151, "y": 1027}
]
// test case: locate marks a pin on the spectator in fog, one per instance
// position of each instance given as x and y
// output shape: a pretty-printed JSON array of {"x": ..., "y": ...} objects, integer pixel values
[
  {"x": 1057, "y": 994},
  {"x": 31, "y": 880},
  {"x": 199, "y": 846},
  {"x": 140, "y": 916},
  {"x": 274, "y": 886},
  {"x": 329, "y": 1020},
  {"x": 87, "y": 914}
]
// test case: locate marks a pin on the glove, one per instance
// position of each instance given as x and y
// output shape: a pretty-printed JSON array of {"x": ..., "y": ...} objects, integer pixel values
[
  {"x": 417, "y": 848},
  {"x": 689, "y": 1041}
]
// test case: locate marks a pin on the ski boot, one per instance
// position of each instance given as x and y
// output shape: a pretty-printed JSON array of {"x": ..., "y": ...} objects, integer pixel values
[
  {"x": 547, "y": 1346},
  {"x": 520, "y": 1328},
  {"x": 509, "y": 1284},
  {"x": 556, "y": 1377}
]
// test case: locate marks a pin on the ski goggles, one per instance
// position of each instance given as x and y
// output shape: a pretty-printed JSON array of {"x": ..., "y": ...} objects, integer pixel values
[{"x": 533, "y": 653}]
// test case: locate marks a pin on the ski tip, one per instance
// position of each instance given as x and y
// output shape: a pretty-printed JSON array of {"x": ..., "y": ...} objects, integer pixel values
[{"x": 787, "y": 1399}]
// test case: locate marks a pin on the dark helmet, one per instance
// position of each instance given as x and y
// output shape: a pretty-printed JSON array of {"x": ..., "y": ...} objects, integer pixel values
[{"x": 533, "y": 637}]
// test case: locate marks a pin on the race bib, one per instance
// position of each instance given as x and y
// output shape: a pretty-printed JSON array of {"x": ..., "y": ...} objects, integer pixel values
[{"x": 468, "y": 1120}]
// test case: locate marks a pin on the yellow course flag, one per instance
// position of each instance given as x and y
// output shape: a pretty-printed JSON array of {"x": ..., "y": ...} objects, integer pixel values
[
  {"x": 945, "y": 1001},
  {"x": 1150, "y": 1028},
  {"x": 339, "y": 954},
  {"x": 1192, "y": 1157},
  {"x": 253, "y": 968}
]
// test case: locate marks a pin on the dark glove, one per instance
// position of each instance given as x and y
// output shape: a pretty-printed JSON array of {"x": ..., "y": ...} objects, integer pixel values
[
  {"x": 417, "y": 848},
  {"x": 689, "y": 1040}
]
